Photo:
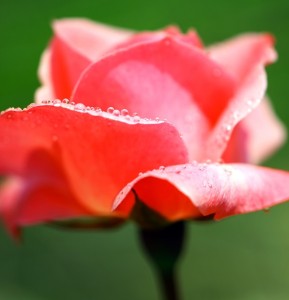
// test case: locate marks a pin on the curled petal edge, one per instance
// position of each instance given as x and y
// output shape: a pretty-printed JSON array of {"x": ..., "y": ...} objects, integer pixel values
[{"x": 202, "y": 189}]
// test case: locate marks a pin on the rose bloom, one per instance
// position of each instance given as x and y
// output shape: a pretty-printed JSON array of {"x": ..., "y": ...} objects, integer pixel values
[{"x": 155, "y": 123}]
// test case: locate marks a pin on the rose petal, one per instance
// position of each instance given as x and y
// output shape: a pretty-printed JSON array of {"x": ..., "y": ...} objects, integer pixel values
[
  {"x": 41, "y": 195},
  {"x": 183, "y": 191},
  {"x": 240, "y": 54},
  {"x": 77, "y": 42},
  {"x": 90, "y": 39},
  {"x": 247, "y": 98},
  {"x": 253, "y": 51},
  {"x": 191, "y": 38},
  {"x": 265, "y": 133},
  {"x": 96, "y": 155},
  {"x": 164, "y": 79},
  {"x": 45, "y": 92}
]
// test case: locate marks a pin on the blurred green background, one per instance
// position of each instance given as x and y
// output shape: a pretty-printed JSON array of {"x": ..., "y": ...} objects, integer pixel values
[{"x": 244, "y": 257}]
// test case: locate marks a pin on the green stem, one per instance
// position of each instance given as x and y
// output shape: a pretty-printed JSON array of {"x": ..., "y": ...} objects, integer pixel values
[
  {"x": 164, "y": 246},
  {"x": 169, "y": 286}
]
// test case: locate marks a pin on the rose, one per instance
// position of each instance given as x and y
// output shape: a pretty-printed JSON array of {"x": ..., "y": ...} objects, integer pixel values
[{"x": 200, "y": 121}]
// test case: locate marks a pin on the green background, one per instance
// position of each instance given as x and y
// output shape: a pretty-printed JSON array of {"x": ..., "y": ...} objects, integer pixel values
[{"x": 243, "y": 257}]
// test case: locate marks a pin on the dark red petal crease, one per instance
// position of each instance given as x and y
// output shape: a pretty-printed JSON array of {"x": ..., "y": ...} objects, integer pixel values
[{"x": 186, "y": 191}]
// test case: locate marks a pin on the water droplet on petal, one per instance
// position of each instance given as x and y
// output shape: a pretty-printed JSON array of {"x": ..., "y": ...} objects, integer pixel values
[
  {"x": 162, "y": 168},
  {"x": 124, "y": 112},
  {"x": 65, "y": 101},
  {"x": 228, "y": 127},
  {"x": 79, "y": 107},
  {"x": 110, "y": 110},
  {"x": 116, "y": 112},
  {"x": 57, "y": 102},
  {"x": 250, "y": 102}
]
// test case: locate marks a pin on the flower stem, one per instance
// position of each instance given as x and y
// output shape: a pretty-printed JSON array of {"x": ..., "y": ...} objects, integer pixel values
[
  {"x": 169, "y": 286},
  {"x": 164, "y": 246}
]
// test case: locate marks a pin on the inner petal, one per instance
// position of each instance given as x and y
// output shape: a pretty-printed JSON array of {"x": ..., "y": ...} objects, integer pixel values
[{"x": 161, "y": 97}]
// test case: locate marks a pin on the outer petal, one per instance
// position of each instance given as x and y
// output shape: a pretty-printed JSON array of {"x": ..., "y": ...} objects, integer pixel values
[
  {"x": 90, "y": 39},
  {"x": 265, "y": 132},
  {"x": 86, "y": 159},
  {"x": 191, "y": 38},
  {"x": 165, "y": 79},
  {"x": 219, "y": 189},
  {"x": 45, "y": 92},
  {"x": 77, "y": 42},
  {"x": 43, "y": 195},
  {"x": 240, "y": 54},
  {"x": 253, "y": 52},
  {"x": 247, "y": 98}
]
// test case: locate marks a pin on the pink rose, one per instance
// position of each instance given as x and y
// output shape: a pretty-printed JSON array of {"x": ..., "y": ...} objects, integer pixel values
[{"x": 200, "y": 121}]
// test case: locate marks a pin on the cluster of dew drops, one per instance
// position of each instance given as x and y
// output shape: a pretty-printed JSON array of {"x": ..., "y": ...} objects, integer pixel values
[{"x": 110, "y": 113}]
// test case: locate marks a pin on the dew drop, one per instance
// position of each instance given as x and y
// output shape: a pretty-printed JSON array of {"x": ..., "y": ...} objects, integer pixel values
[
  {"x": 79, "y": 107},
  {"x": 228, "y": 127},
  {"x": 162, "y": 168},
  {"x": 124, "y": 112},
  {"x": 116, "y": 112},
  {"x": 250, "y": 102},
  {"x": 57, "y": 102},
  {"x": 110, "y": 110},
  {"x": 65, "y": 101}
]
